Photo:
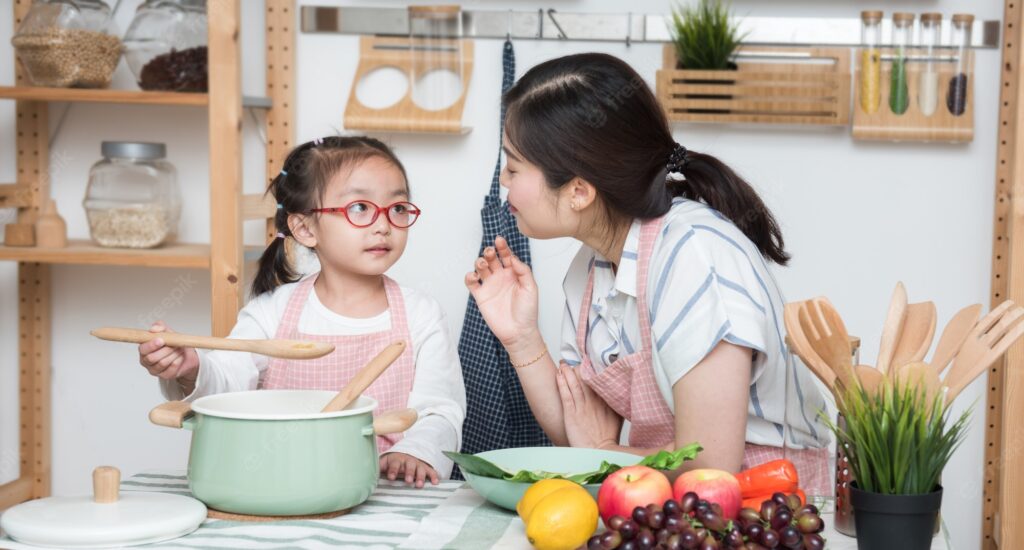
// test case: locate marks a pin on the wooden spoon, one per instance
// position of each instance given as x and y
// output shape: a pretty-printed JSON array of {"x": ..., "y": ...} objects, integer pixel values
[
  {"x": 284, "y": 349},
  {"x": 800, "y": 346},
  {"x": 893, "y": 327},
  {"x": 919, "y": 374},
  {"x": 916, "y": 336},
  {"x": 365, "y": 377},
  {"x": 869, "y": 378},
  {"x": 953, "y": 336}
]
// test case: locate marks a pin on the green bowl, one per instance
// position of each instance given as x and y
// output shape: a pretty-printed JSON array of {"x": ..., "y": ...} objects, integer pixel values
[{"x": 564, "y": 460}]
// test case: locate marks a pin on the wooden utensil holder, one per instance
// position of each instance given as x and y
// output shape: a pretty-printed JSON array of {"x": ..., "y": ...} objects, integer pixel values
[
  {"x": 784, "y": 85},
  {"x": 405, "y": 115},
  {"x": 913, "y": 124}
]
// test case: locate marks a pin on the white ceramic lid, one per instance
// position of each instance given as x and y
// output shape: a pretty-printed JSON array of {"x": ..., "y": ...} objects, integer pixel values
[
  {"x": 278, "y": 405},
  {"x": 79, "y": 522}
]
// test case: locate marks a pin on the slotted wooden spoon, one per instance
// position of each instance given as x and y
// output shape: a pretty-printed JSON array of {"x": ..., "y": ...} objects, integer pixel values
[
  {"x": 985, "y": 344},
  {"x": 802, "y": 347},
  {"x": 826, "y": 333},
  {"x": 953, "y": 336},
  {"x": 365, "y": 377},
  {"x": 284, "y": 349}
]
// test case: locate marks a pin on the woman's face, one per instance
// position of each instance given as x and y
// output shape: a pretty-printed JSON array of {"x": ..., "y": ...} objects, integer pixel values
[{"x": 540, "y": 211}]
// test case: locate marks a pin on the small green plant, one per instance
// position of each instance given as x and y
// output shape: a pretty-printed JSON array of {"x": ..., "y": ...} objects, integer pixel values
[
  {"x": 704, "y": 36},
  {"x": 898, "y": 439}
]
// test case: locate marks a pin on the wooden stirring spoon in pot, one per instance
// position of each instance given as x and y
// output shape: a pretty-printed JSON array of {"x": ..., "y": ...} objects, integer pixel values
[{"x": 365, "y": 377}]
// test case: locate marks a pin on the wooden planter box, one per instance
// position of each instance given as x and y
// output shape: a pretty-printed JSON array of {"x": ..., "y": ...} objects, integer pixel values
[{"x": 784, "y": 85}]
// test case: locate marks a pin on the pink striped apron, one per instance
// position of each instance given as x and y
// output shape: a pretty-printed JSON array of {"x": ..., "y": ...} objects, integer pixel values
[
  {"x": 629, "y": 387},
  {"x": 351, "y": 353}
]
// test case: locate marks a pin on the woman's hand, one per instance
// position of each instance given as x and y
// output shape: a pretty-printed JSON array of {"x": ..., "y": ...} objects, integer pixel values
[
  {"x": 589, "y": 421},
  {"x": 181, "y": 364},
  {"x": 506, "y": 294},
  {"x": 414, "y": 470}
]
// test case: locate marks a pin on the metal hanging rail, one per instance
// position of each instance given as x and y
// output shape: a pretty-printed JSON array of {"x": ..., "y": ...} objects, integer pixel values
[{"x": 622, "y": 27}]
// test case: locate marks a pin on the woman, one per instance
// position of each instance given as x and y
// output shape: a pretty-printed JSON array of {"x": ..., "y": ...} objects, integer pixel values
[{"x": 673, "y": 320}]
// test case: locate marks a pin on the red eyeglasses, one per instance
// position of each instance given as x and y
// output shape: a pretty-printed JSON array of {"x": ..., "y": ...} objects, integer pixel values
[{"x": 365, "y": 213}]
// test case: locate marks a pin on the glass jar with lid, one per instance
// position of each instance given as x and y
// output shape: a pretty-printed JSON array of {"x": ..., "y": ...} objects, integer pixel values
[
  {"x": 165, "y": 45},
  {"x": 957, "y": 89},
  {"x": 133, "y": 200},
  {"x": 68, "y": 43},
  {"x": 902, "y": 31},
  {"x": 870, "y": 61},
  {"x": 928, "y": 85}
]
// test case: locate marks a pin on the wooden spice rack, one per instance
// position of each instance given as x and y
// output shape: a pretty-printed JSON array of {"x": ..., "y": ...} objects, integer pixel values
[
  {"x": 913, "y": 124},
  {"x": 783, "y": 85},
  {"x": 229, "y": 207}
]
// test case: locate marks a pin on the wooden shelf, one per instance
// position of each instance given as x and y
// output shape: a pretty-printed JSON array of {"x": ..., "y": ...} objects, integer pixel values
[
  {"x": 81, "y": 252},
  {"x": 137, "y": 97}
]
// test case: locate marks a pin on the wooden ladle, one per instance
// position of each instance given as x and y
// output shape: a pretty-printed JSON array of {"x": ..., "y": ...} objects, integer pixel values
[
  {"x": 365, "y": 377},
  {"x": 284, "y": 349}
]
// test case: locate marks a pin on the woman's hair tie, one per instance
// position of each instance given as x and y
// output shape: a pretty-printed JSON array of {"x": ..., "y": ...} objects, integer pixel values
[
  {"x": 284, "y": 173},
  {"x": 280, "y": 235},
  {"x": 676, "y": 160}
]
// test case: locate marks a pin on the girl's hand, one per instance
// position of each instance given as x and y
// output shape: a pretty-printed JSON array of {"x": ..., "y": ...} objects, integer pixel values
[
  {"x": 415, "y": 471},
  {"x": 506, "y": 294},
  {"x": 167, "y": 362},
  {"x": 589, "y": 421}
]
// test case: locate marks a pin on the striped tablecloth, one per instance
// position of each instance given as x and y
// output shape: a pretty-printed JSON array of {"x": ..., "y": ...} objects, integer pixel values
[{"x": 447, "y": 516}]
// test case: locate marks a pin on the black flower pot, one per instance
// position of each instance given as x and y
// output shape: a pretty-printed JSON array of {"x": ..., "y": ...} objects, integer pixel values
[{"x": 895, "y": 522}]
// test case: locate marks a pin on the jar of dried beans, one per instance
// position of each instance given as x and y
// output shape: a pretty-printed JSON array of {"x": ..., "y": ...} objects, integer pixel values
[
  {"x": 165, "y": 45},
  {"x": 133, "y": 200},
  {"x": 68, "y": 43}
]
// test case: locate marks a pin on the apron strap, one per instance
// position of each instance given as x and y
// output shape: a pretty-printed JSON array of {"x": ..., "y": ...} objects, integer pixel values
[{"x": 508, "y": 75}]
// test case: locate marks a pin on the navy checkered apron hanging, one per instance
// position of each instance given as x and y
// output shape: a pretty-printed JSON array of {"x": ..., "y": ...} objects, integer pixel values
[{"x": 497, "y": 414}]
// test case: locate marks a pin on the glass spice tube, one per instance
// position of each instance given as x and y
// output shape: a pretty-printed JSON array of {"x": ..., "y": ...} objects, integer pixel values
[
  {"x": 956, "y": 94},
  {"x": 928, "y": 83},
  {"x": 870, "y": 61},
  {"x": 902, "y": 29}
]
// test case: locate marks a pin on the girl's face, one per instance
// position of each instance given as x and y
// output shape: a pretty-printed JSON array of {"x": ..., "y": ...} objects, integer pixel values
[
  {"x": 370, "y": 250},
  {"x": 541, "y": 212}
]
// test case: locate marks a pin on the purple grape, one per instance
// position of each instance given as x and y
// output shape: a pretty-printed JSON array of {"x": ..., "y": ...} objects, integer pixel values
[
  {"x": 656, "y": 520},
  {"x": 770, "y": 538},
  {"x": 712, "y": 521},
  {"x": 749, "y": 515},
  {"x": 793, "y": 501},
  {"x": 672, "y": 508},
  {"x": 709, "y": 543},
  {"x": 594, "y": 543},
  {"x": 702, "y": 533},
  {"x": 628, "y": 545},
  {"x": 629, "y": 529},
  {"x": 675, "y": 542},
  {"x": 751, "y": 545},
  {"x": 640, "y": 515},
  {"x": 779, "y": 498},
  {"x": 689, "y": 539},
  {"x": 814, "y": 542},
  {"x": 615, "y": 522},
  {"x": 652, "y": 508},
  {"x": 717, "y": 508},
  {"x": 674, "y": 524},
  {"x": 645, "y": 540},
  {"x": 810, "y": 523},
  {"x": 611, "y": 540},
  {"x": 754, "y": 531},
  {"x": 688, "y": 503},
  {"x": 782, "y": 518},
  {"x": 790, "y": 536},
  {"x": 768, "y": 510},
  {"x": 734, "y": 539},
  {"x": 807, "y": 509},
  {"x": 661, "y": 537}
]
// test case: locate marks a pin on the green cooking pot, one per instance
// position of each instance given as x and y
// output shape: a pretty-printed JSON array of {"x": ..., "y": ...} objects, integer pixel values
[{"x": 273, "y": 453}]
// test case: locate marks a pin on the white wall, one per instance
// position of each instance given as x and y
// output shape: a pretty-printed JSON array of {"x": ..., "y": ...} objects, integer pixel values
[{"x": 857, "y": 217}]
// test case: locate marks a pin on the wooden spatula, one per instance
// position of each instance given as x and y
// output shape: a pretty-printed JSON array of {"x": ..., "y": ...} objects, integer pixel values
[
  {"x": 284, "y": 349},
  {"x": 826, "y": 333},
  {"x": 365, "y": 377},
  {"x": 916, "y": 336},
  {"x": 985, "y": 344},
  {"x": 953, "y": 336},
  {"x": 893, "y": 327},
  {"x": 800, "y": 346}
]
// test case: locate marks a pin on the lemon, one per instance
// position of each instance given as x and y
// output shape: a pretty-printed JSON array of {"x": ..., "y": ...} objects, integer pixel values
[
  {"x": 538, "y": 491},
  {"x": 562, "y": 520}
]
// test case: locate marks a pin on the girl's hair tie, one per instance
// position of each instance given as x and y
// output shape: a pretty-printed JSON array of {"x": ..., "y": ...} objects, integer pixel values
[
  {"x": 284, "y": 173},
  {"x": 280, "y": 206},
  {"x": 280, "y": 235},
  {"x": 318, "y": 141},
  {"x": 676, "y": 160}
]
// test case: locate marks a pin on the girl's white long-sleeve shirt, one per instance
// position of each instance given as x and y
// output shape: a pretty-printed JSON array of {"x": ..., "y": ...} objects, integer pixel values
[{"x": 438, "y": 393}]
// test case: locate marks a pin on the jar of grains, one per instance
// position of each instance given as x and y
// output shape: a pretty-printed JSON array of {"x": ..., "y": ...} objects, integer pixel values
[
  {"x": 165, "y": 45},
  {"x": 68, "y": 43},
  {"x": 133, "y": 200}
]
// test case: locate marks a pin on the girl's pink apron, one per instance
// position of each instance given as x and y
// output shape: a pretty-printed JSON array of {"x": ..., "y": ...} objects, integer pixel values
[
  {"x": 333, "y": 371},
  {"x": 629, "y": 387}
]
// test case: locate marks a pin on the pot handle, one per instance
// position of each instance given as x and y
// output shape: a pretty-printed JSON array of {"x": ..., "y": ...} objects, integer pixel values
[
  {"x": 172, "y": 414},
  {"x": 394, "y": 422}
]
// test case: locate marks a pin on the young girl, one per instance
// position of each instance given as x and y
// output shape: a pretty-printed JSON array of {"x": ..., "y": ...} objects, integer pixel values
[{"x": 347, "y": 199}]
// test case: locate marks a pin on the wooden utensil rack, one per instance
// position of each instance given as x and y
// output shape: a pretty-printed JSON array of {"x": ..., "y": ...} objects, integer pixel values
[{"x": 228, "y": 206}]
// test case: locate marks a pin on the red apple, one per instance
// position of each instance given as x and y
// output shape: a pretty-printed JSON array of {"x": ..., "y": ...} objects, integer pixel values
[
  {"x": 630, "y": 487},
  {"x": 713, "y": 486}
]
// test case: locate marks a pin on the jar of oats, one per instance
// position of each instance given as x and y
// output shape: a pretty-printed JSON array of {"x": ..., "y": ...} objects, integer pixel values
[
  {"x": 133, "y": 200},
  {"x": 68, "y": 43}
]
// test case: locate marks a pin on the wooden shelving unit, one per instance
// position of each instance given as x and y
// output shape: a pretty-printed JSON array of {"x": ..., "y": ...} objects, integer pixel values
[{"x": 229, "y": 207}]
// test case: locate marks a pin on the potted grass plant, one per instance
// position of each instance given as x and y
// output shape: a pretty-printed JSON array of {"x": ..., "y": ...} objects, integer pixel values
[
  {"x": 705, "y": 39},
  {"x": 899, "y": 439}
]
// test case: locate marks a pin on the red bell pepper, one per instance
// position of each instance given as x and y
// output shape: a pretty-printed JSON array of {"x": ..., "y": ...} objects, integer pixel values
[{"x": 770, "y": 477}]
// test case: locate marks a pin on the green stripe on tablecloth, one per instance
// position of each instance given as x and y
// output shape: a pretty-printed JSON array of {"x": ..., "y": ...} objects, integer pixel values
[
  {"x": 375, "y": 502},
  {"x": 131, "y": 483},
  {"x": 293, "y": 523},
  {"x": 380, "y": 493},
  {"x": 161, "y": 476},
  {"x": 286, "y": 540},
  {"x": 483, "y": 527},
  {"x": 414, "y": 514},
  {"x": 425, "y": 488}
]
